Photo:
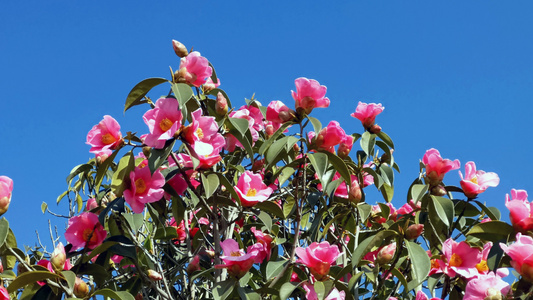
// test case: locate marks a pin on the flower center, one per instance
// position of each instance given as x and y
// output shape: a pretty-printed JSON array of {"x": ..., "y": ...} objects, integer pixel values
[
  {"x": 89, "y": 235},
  {"x": 493, "y": 293},
  {"x": 235, "y": 253},
  {"x": 474, "y": 179},
  {"x": 108, "y": 139},
  {"x": 251, "y": 192},
  {"x": 140, "y": 186},
  {"x": 199, "y": 133},
  {"x": 435, "y": 264},
  {"x": 455, "y": 260},
  {"x": 165, "y": 124},
  {"x": 482, "y": 266}
]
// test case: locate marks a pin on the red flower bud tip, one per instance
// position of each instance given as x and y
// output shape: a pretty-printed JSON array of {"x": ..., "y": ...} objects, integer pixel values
[
  {"x": 374, "y": 129},
  {"x": 80, "y": 288},
  {"x": 414, "y": 231},
  {"x": 180, "y": 49},
  {"x": 154, "y": 275},
  {"x": 386, "y": 254},
  {"x": 221, "y": 105},
  {"x": 58, "y": 258}
]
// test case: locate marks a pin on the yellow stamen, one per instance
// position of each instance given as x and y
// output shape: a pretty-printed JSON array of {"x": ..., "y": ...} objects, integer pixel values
[
  {"x": 140, "y": 186},
  {"x": 235, "y": 253},
  {"x": 108, "y": 139},
  {"x": 474, "y": 179},
  {"x": 455, "y": 260},
  {"x": 482, "y": 266},
  {"x": 251, "y": 192},
  {"x": 200, "y": 133},
  {"x": 435, "y": 264},
  {"x": 165, "y": 124}
]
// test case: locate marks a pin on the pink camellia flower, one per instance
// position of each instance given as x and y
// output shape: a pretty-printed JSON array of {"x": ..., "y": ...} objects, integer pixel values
[
  {"x": 476, "y": 182},
  {"x": 458, "y": 258},
  {"x": 186, "y": 163},
  {"x": 309, "y": 94},
  {"x": 85, "y": 231},
  {"x": 144, "y": 188},
  {"x": 235, "y": 259},
  {"x": 330, "y": 136},
  {"x": 104, "y": 136},
  {"x": 521, "y": 253},
  {"x": 367, "y": 113},
  {"x": 386, "y": 253},
  {"x": 252, "y": 189},
  {"x": 4, "y": 294},
  {"x": 421, "y": 296},
  {"x": 163, "y": 121},
  {"x": 318, "y": 257},
  {"x": 414, "y": 231},
  {"x": 265, "y": 240},
  {"x": 210, "y": 85},
  {"x": 221, "y": 105},
  {"x": 436, "y": 166},
  {"x": 482, "y": 266},
  {"x": 58, "y": 257},
  {"x": 195, "y": 69},
  {"x": 345, "y": 146},
  {"x": 242, "y": 113},
  {"x": 278, "y": 112},
  {"x": 521, "y": 210},
  {"x": 310, "y": 293},
  {"x": 6, "y": 190},
  {"x": 489, "y": 286}
]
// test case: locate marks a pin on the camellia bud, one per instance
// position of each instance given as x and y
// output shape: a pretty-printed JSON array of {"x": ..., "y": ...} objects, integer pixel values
[
  {"x": 345, "y": 146},
  {"x": 386, "y": 254},
  {"x": 80, "y": 288},
  {"x": 355, "y": 194},
  {"x": 286, "y": 115},
  {"x": 258, "y": 165},
  {"x": 221, "y": 105},
  {"x": 194, "y": 265},
  {"x": 146, "y": 151},
  {"x": 58, "y": 258},
  {"x": 6, "y": 189},
  {"x": 180, "y": 49},
  {"x": 414, "y": 231},
  {"x": 269, "y": 130},
  {"x": 154, "y": 275},
  {"x": 139, "y": 296},
  {"x": 438, "y": 190},
  {"x": 374, "y": 129}
]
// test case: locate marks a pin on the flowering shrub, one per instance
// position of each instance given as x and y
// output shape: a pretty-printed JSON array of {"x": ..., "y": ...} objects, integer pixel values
[{"x": 263, "y": 202}]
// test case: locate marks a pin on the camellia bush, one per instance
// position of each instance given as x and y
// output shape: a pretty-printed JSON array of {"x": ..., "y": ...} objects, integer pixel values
[{"x": 245, "y": 201}]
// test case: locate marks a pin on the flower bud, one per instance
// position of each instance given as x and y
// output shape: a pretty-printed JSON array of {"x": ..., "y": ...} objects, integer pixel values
[
  {"x": 345, "y": 146},
  {"x": 286, "y": 115},
  {"x": 154, "y": 275},
  {"x": 58, "y": 258},
  {"x": 180, "y": 49},
  {"x": 80, "y": 288},
  {"x": 6, "y": 189},
  {"x": 146, "y": 151},
  {"x": 493, "y": 294},
  {"x": 386, "y": 254},
  {"x": 258, "y": 165},
  {"x": 355, "y": 194},
  {"x": 374, "y": 129},
  {"x": 438, "y": 190},
  {"x": 194, "y": 265},
  {"x": 414, "y": 231},
  {"x": 221, "y": 105},
  {"x": 139, "y": 296},
  {"x": 269, "y": 130}
]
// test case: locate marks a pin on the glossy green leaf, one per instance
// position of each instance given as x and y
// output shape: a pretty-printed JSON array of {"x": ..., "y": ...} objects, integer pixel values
[
  {"x": 492, "y": 212},
  {"x": 229, "y": 187},
  {"x": 420, "y": 264},
  {"x": 367, "y": 143},
  {"x": 267, "y": 220},
  {"x": 223, "y": 289},
  {"x": 319, "y": 161},
  {"x": 387, "y": 191},
  {"x": 78, "y": 170},
  {"x": 286, "y": 290},
  {"x": 387, "y": 174},
  {"x": 494, "y": 231},
  {"x": 125, "y": 166},
  {"x": 183, "y": 93},
  {"x": 166, "y": 233},
  {"x": 384, "y": 137},
  {"x": 102, "y": 169},
  {"x": 437, "y": 212},
  {"x": 117, "y": 295},
  {"x": 264, "y": 147},
  {"x": 317, "y": 126},
  {"x": 31, "y": 277},
  {"x": 240, "y": 124},
  {"x": 340, "y": 167},
  {"x": 364, "y": 211},
  {"x": 372, "y": 241},
  {"x": 4, "y": 231},
  {"x": 320, "y": 290},
  {"x": 210, "y": 183},
  {"x": 273, "y": 268},
  {"x": 447, "y": 207},
  {"x": 400, "y": 277},
  {"x": 140, "y": 90},
  {"x": 70, "y": 277},
  {"x": 159, "y": 156}
]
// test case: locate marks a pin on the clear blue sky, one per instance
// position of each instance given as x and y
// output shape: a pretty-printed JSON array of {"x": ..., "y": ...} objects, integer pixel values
[{"x": 454, "y": 75}]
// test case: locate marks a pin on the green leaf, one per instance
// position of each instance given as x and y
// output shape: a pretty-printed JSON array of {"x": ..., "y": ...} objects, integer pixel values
[
  {"x": 102, "y": 169},
  {"x": 317, "y": 126},
  {"x": 387, "y": 191},
  {"x": 159, "y": 156},
  {"x": 387, "y": 174},
  {"x": 210, "y": 183},
  {"x": 247, "y": 294},
  {"x": 271, "y": 207},
  {"x": 494, "y": 231},
  {"x": 77, "y": 170},
  {"x": 165, "y": 233},
  {"x": 4, "y": 231},
  {"x": 229, "y": 187},
  {"x": 364, "y": 211},
  {"x": 70, "y": 277},
  {"x": 223, "y": 289},
  {"x": 278, "y": 149},
  {"x": 214, "y": 77},
  {"x": 31, "y": 277},
  {"x": 273, "y": 268},
  {"x": 286, "y": 289},
  {"x": 319, "y": 161},
  {"x": 125, "y": 166},
  {"x": 417, "y": 191},
  {"x": 420, "y": 264},
  {"x": 140, "y": 90},
  {"x": 117, "y": 295},
  {"x": 400, "y": 277},
  {"x": 384, "y": 137},
  {"x": 289, "y": 207},
  {"x": 320, "y": 290},
  {"x": 240, "y": 124},
  {"x": 183, "y": 93},
  {"x": 60, "y": 197},
  {"x": 372, "y": 241},
  {"x": 447, "y": 207},
  {"x": 215, "y": 92},
  {"x": 367, "y": 143},
  {"x": 437, "y": 212},
  {"x": 273, "y": 138},
  {"x": 340, "y": 167},
  {"x": 267, "y": 220},
  {"x": 492, "y": 212}
]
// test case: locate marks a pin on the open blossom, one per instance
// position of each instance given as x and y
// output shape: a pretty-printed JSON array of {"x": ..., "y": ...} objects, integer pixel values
[
  {"x": 318, "y": 257},
  {"x": 265, "y": 240},
  {"x": 457, "y": 258},
  {"x": 235, "y": 259},
  {"x": 104, "y": 136},
  {"x": 252, "y": 189},
  {"x": 436, "y": 166},
  {"x": 330, "y": 136},
  {"x": 367, "y": 112},
  {"x": 163, "y": 121},
  {"x": 489, "y": 286},
  {"x": 202, "y": 134},
  {"x": 310, "y": 293},
  {"x": 85, "y": 230},
  {"x": 476, "y": 181},
  {"x": 144, "y": 188},
  {"x": 521, "y": 253},
  {"x": 521, "y": 210},
  {"x": 309, "y": 94},
  {"x": 195, "y": 69},
  {"x": 421, "y": 296},
  {"x": 6, "y": 190}
]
